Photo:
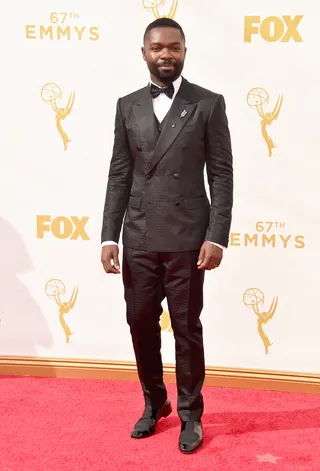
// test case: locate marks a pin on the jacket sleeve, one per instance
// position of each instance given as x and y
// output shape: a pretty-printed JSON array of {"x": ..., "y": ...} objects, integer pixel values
[
  {"x": 219, "y": 168},
  {"x": 119, "y": 182}
]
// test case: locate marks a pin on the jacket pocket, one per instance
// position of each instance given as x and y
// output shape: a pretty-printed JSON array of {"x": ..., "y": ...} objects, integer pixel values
[
  {"x": 134, "y": 202},
  {"x": 199, "y": 202}
]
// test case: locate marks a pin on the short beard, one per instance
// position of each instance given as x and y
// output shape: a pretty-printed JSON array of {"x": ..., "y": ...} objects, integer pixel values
[{"x": 167, "y": 76}]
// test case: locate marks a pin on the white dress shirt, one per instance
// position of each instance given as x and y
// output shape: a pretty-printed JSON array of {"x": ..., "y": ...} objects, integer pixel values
[{"x": 161, "y": 106}]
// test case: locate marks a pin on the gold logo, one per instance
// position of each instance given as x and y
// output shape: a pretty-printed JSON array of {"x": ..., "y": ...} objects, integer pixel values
[
  {"x": 273, "y": 28},
  {"x": 50, "y": 93},
  {"x": 268, "y": 234},
  {"x": 257, "y": 99},
  {"x": 62, "y": 227},
  {"x": 55, "y": 289},
  {"x": 158, "y": 7},
  {"x": 64, "y": 26},
  {"x": 253, "y": 298},
  {"x": 165, "y": 322}
]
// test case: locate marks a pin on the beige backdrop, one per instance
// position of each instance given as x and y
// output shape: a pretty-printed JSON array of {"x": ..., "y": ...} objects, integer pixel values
[{"x": 63, "y": 68}]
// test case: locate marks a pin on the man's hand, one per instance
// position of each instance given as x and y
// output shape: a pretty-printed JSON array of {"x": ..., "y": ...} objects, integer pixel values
[
  {"x": 210, "y": 256},
  {"x": 110, "y": 253}
]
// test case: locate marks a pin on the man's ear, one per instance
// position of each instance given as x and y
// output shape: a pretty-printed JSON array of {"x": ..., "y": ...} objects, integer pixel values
[{"x": 143, "y": 53}]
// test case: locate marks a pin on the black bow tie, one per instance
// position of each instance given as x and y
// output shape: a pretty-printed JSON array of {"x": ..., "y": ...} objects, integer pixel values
[{"x": 168, "y": 90}]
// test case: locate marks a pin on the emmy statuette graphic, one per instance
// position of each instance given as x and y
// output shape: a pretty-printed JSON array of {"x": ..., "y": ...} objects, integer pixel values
[
  {"x": 50, "y": 93},
  {"x": 254, "y": 298},
  {"x": 257, "y": 99},
  {"x": 55, "y": 289}
]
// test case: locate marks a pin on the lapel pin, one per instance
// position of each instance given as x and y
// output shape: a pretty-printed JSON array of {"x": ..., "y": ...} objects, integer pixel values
[{"x": 184, "y": 112}]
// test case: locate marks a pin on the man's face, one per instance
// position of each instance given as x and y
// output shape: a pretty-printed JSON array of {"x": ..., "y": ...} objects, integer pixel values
[{"x": 164, "y": 51}]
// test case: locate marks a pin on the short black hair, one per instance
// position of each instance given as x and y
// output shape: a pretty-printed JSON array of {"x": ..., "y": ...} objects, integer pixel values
[{"x": 163, "y": 23}]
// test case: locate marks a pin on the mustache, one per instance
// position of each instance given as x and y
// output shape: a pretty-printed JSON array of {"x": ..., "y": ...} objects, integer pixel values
[{"x": 167, "y": 64}]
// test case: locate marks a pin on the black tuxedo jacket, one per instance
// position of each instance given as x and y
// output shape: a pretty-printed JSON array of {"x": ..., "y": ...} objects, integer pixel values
[{"x": 157, "y": 180}]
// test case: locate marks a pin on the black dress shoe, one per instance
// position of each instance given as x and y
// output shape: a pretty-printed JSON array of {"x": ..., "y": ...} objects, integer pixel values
[
  {"x": 146, "y": 426},
  {"x": 190, "y": 437}
]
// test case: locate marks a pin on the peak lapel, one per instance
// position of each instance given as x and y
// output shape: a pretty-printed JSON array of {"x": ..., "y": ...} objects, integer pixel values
[
  {"x": 143, "y": 111},
  {"x": 178, "y": 115}
]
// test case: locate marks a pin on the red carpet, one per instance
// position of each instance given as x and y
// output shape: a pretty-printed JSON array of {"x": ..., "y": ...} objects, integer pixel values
[{"x": 83, "y": 425}]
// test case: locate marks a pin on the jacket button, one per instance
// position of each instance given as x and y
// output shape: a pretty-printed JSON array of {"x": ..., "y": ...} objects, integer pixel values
[
  {"x": 176, "y": 175},
  {"x": 177, "y": 203},
  {"x": 139, "y": 148}
]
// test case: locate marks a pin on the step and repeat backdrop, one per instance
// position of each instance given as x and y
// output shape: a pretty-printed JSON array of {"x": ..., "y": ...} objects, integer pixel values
[{"x": 63, "y": 66}]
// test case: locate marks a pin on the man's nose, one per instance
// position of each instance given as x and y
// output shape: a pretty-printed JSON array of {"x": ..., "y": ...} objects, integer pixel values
[{"x": 166, "y": 54}]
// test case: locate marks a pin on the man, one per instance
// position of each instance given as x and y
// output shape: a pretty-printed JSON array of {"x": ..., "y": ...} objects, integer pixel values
[{"x": 165, "y": 134}]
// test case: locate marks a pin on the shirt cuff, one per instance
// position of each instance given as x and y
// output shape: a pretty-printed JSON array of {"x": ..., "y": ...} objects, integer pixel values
[
  {"x": 108, "y": 242},
  {"x": 218, "y": 245}
]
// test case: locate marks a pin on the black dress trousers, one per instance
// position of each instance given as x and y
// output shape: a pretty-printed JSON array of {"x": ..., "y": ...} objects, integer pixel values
[{"x": 148, "y": 277}]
